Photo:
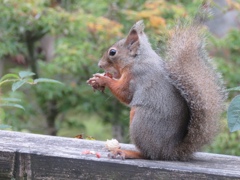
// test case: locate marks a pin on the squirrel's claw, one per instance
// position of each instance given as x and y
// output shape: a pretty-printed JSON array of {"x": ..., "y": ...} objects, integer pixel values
[
  {"x": 117, "y": 153},
  {"x": 95, "y": 85},
  {"x": 98, "y": 75}
]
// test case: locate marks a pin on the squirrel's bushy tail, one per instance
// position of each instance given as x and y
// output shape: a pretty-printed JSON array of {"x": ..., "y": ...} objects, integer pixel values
[{"x": 190, "y": 71}]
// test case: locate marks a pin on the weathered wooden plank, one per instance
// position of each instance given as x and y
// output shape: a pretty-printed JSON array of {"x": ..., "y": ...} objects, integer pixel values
[
  {"x": 6, "y": 164},
  {"x": 30, "y": 156}
]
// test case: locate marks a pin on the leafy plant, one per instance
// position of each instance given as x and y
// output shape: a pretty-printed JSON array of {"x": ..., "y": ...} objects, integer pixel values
[
  {"x": 233, "y": 113},
  {"x": 23, "y": 77}
]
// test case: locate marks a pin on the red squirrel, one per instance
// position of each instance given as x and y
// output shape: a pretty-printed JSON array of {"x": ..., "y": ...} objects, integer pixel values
[{"x": 175, "y": 103}]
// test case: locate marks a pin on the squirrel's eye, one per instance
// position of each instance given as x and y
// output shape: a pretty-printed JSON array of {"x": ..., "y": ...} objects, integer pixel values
[{"x": 112, "y": 52}]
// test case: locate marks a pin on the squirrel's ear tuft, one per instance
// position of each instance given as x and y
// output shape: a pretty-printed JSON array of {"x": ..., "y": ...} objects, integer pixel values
[
  {"x": 139, "y": 27},
  {"x": 132, "y": 40}
]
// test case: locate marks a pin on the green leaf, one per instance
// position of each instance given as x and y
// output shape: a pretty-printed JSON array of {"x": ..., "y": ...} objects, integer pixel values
[
  {"x": 233, "y": 114},
  {"x": 46, "y": 80},
  {"x": 234, "y": 89},
  {"x": 18, "y": 84},
  {"x": 12, "y": 105},
  {"x": 24, "y": 74},
  {"x": 10, "y": 99},
  {"x": 4, "y": 126},
  {"x": 9, "y": 76}
]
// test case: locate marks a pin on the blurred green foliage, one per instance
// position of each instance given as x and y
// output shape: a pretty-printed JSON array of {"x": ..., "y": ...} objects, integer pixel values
[
  {"x": 227, "y": 56},
  {"x": 226, "y": 142},
  {"x": 80, "y": 32},
  {"x": 226, "y": 53}
]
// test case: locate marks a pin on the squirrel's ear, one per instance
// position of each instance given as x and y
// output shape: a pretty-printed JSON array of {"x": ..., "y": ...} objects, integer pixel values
[
  {"x": 139, "y": 27},
  {"x": 132, "y": 40}
]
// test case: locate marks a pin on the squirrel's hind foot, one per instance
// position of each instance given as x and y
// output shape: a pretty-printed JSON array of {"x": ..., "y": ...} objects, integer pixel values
[{"x": 125, "y": 154}]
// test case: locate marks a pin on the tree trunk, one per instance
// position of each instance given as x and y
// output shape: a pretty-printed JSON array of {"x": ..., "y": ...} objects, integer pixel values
[
  {"x": 117, "y": 127},
  {"x": 51, "y": 115},
  {"x": 48, "y": 46},
  {"x": 117, "y": 132},
  {"x": 31, "y": 57}
]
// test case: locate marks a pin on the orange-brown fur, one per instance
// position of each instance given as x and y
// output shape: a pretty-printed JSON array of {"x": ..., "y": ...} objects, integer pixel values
[
  {"x": 126, "y": 154},
  {"x": 120, "y": 88},
  {"x": 132, "y": 112}
]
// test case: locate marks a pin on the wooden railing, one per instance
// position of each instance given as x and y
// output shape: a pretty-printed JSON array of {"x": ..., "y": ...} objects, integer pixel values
[{"x": 30, "y": 156}]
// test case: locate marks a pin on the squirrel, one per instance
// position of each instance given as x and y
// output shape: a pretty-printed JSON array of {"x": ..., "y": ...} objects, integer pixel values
[{"x": 175, "y": 103}]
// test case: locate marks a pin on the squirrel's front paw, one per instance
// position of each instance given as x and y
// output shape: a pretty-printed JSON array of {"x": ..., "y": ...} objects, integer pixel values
[
  {"x": 98, "y": 81},
  {"x": 117, "y": 153},
  {"x": 95, "y": 85}
]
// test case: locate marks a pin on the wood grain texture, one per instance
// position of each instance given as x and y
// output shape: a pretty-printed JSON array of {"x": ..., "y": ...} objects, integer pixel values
[{"x": 30, "y": 156}]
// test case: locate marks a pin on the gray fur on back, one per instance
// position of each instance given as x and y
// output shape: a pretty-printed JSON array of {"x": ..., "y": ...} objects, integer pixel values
[{"x": 161, "y": 116}]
